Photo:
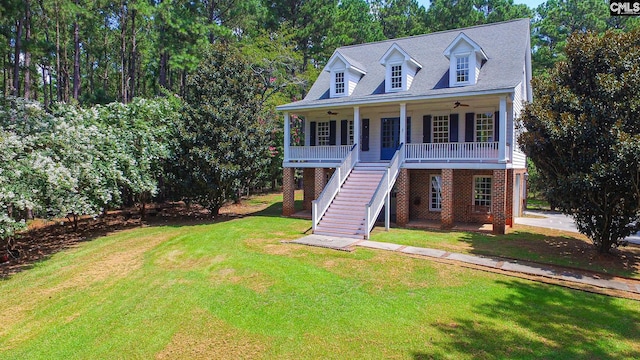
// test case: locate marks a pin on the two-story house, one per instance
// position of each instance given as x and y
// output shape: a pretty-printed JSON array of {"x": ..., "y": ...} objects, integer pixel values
[{"x": 422, "y": 127}]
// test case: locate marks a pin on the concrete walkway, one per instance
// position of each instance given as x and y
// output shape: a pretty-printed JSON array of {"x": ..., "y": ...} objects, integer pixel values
[
  {"x": 506, "y": 266},
  {"x": 558, "y": 221}
]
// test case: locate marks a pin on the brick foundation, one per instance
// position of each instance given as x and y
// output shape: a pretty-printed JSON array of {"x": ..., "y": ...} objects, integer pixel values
[
  {"x": 402, "y": 198},
  {"x": 447, "y": 214},
  {"x": 308, "y": 183},
  {"x": 319, "y": 181},
  {"x": 498, "y": 201},
  {"x": 288, "y": 191}
]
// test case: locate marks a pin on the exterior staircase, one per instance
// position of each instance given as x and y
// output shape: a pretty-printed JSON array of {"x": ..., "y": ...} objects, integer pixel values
[{"x": 345, "y": 216}]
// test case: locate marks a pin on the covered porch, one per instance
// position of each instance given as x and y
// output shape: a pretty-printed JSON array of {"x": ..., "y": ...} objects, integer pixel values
[{"x": 473, "y": 130}]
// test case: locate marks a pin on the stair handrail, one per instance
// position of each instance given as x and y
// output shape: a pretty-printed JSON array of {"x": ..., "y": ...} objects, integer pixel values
[
  {"x": 382, "y": 191},
  {"x": 321, "y": 204}
]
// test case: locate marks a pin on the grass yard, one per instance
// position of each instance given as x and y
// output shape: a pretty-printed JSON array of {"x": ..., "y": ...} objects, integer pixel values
[
  {"x": 232, "y": 290},
  {"x": 528, "y": 243}
]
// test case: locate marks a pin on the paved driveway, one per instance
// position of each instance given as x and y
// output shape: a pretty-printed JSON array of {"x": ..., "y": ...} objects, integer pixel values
[{"x": 559, "y": 221}]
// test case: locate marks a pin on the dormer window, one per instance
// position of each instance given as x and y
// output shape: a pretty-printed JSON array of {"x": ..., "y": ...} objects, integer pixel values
[
  {"x": 345, "y": 73},
  {"x": 340, "y": 83},
  {"x": 465, "y": 60},
  {"x": 401, "y": 68},
  {"x": 462, "y": 69},
  {"x": 396, "y": 77}
]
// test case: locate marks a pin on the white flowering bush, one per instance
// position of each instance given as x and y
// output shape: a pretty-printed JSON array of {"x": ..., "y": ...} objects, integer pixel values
[{"x": 73, "y": 162}]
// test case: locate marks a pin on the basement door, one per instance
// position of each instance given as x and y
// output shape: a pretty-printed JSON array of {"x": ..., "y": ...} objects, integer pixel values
[{"x": 390, "y": 137}]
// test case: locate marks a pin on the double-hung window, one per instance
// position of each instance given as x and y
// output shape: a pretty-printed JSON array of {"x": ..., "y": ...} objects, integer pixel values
[
  {"x": 462, "y": 69},
  {"x": 440, "y": 128},
  {"x": 484, "y": 127},
  {"x": 339, "y": 82},
  {"x": 435, "y": 194},
  {"x": 482, "y": 191},
  {"x": 396, "y": 76},
  {"x": 323, "y": 133}
]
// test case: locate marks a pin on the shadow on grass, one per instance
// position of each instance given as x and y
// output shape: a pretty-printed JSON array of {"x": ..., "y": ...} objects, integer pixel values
[
  {"x": 560, "y": 250},
  {"x": 541, "y": 321}
]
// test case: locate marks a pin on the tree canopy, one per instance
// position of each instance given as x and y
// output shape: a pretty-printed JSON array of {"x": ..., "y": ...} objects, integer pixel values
[
  {"x": 223, "y": 139},
  {"x": 583, "y": 134}
]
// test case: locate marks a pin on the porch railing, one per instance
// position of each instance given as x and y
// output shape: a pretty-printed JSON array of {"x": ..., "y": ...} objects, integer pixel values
[
  {"x": 321, "y": 204},
  {"x": 318, "y": 153},
  {"x": 381, "y": 195},
  {"x": 452, "y": 151}
]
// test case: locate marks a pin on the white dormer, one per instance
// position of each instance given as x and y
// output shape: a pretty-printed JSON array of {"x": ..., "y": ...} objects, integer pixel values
[
  {"x": 401, "y": 68},
  {"x": 465, "y": 60},
  {"x": 345, "y": 74}
]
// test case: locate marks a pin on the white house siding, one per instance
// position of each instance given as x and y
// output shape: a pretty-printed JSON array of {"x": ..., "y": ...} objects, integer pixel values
[
  {"x": 519, "y": 158},
  {"x": 354, "y": 77}
]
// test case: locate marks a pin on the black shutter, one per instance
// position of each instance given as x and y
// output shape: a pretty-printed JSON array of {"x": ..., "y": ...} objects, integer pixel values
[
  {"x": 312, "y": 133},
  {"x": 496, "y": 126},
  {"x": 332, "y": 132},
  {"x": 344, "y": 132},
  {"x": 365, "y": 134},
  {"x": 468, "y": 127},
  {"x": 453, "y": 128},
  {"x": 408, "y": 130},
  {"x": 426, "y": 129}
]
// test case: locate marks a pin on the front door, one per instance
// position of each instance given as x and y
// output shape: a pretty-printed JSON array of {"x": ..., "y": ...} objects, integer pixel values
[{"x": 390, "y": 137}]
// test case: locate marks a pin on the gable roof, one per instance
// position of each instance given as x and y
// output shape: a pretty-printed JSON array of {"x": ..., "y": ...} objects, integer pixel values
[
  {"x": 463, "y": 37},
  {"x": 396, "y": 48},
  {"x": 349, "y": 62},
  {"x": 505, "y": 44}
]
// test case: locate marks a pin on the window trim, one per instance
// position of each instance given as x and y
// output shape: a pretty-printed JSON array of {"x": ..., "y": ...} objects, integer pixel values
[
  {"x": 433, "y": 127},
  {"x": 431, "y": 193},
  {"x": 342, "y": 83},
  {"x": 319, "y": 125},
  {"x": 461, "y": 56},
  {"x": 400, "y": 87},
  {"x": 490, "y": 194},
  {"x": 491, "y": 133}
]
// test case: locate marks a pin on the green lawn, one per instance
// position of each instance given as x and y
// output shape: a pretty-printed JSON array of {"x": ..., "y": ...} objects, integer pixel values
[
  {"x": 233, "y": 290},
  {"x": 523, "y": 243}
]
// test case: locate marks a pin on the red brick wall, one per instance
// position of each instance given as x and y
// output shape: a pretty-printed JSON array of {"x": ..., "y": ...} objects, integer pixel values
[
  {"x": 308, "y": 180},
  {"x": 402, "y": 198},
  {"x": 499, "y": 199},
  {"x": 288, "y": 188},
  {"x": 463, "y": 197},
  {"x": 419, "y": 195}
]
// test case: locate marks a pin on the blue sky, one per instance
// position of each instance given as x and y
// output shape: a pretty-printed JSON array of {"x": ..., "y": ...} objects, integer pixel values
[{"x": 530, "y": 3}]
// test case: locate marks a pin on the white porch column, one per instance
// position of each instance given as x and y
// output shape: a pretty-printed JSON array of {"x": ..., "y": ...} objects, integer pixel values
[
  {"x": 356, "y": 130},
  {"x": 403, "y": 123},
  {"x": 502, "y": 142},
  {"x": 287, "y": 136}
]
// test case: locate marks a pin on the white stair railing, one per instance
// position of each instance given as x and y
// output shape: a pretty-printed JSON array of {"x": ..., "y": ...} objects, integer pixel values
[
  {"x": 381, "y": 196},
  {"x": 321, "y": 204}
]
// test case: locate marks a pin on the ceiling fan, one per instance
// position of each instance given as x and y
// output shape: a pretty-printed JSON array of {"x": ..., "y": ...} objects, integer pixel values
[
  {"x": 458, "y": 103},
  {"x": 331, "y": 113}
]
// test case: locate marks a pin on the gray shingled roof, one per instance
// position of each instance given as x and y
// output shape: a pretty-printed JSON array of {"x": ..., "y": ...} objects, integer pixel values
[{"x": 505, "y": 44}]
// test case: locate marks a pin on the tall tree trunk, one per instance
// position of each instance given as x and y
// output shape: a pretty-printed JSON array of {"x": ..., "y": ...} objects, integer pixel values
[
  {"x": 27, "y": 52},
  {"x": 76, "y": 57},
  {"x": 16, "y": 57},
  {"x": 44, "y": 86},
  {"x": 132, "y": 61},
  {"x": 164, "y": 59},
  {"x": 123, "y": 52},
  {"x": 58, "y": 69}
]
